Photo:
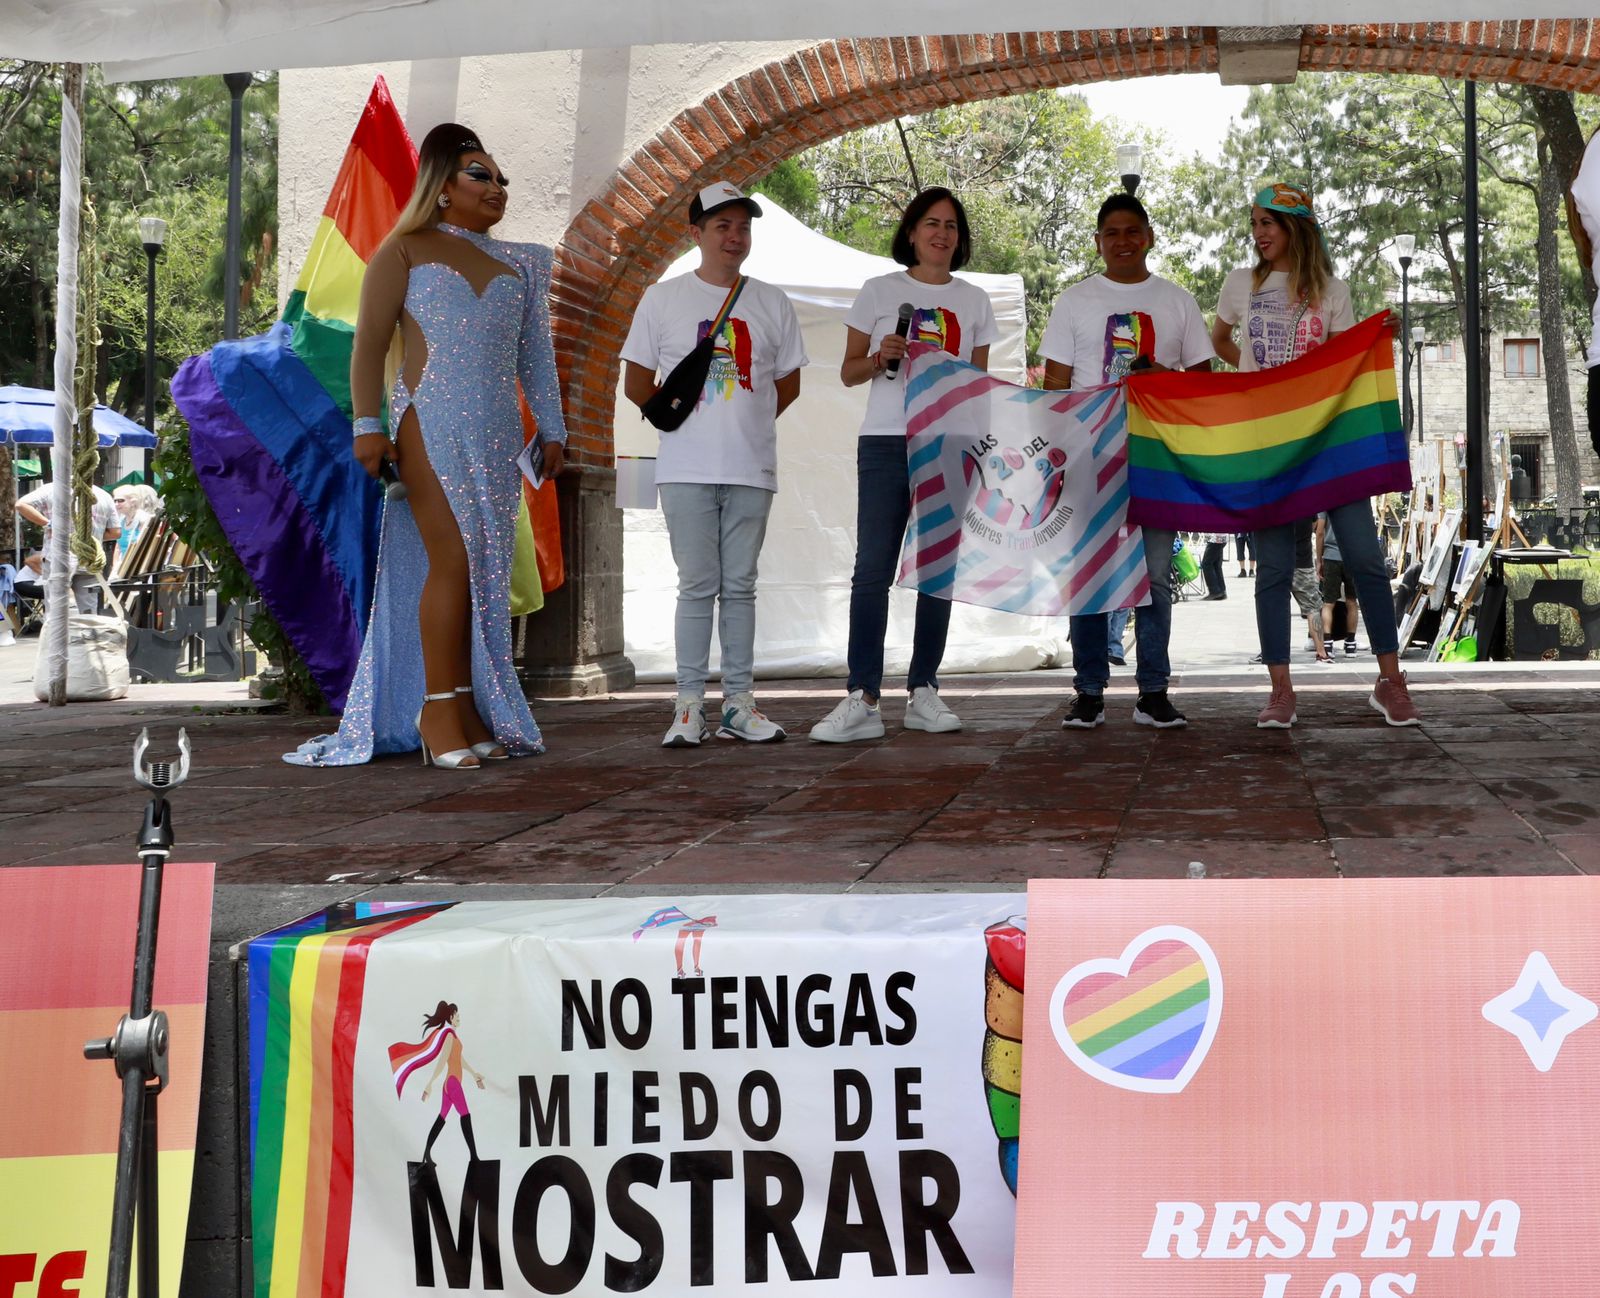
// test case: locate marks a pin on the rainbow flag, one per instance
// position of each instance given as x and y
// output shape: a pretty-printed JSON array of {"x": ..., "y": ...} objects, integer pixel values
[
  {"x": 1238, "y": 452},
  {"x": 269, "y": 429},
  {"x": 306, "y": 983}
]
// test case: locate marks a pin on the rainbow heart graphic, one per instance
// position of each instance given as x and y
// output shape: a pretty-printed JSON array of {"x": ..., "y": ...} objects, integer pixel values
[{"x": 1145, "y": 1020}]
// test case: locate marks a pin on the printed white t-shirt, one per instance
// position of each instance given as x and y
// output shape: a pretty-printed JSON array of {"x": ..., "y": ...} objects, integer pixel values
[
  {"x": 731, "y": 436},
  {"x": 1099, "y": 327},
  {"x": 957, "y": 317},
  {"x": 1268, "y": 318},
  {"x": 1586, "y": 198}
]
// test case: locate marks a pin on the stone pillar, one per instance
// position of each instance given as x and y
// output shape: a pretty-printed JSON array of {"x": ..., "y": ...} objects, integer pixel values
[{"x": 572, "y": 647}]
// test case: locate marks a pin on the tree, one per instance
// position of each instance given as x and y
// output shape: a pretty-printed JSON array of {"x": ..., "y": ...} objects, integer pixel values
[
  {"x": 150, "y": 148},
  {"x": 1031, "y": 171}
]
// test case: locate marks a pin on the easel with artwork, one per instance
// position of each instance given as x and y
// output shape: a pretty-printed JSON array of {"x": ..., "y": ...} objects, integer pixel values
[{"x": 1465, "y": 587}]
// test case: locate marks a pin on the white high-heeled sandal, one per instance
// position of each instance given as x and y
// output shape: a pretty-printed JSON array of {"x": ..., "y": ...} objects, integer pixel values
[
  {"x": 457, "y": 759},
  {"x": 487, "y": 750}
]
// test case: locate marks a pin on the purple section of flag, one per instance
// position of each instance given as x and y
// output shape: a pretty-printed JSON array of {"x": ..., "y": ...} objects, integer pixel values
[
  {"x": 1179, "y": 516},
  {"x": 276, "y": 540}
]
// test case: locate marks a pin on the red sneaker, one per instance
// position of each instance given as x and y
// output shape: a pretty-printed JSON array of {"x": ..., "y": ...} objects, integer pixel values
[
  {"x": 1279, "y": 713},
  {"x": 1392, "y": 697}
]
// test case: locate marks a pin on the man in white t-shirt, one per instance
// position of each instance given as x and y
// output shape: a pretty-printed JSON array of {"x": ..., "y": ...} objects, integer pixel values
[
  {"x": 717, "y": 471},
  {"x": 1583, "y": 220},
  {"x": 1102, "y": 329},
  {"x": 104, "y": 524}
]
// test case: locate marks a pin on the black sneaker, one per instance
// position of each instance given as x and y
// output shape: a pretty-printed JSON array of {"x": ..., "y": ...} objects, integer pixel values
[
  {"x": 1087, "y": 712},
  {"x": 1350, "y": 647},
  {"x": 1155, "y": 709}
]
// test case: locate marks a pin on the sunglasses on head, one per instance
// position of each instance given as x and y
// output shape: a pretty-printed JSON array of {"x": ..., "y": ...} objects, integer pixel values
[{"x": 480, "y": 173}]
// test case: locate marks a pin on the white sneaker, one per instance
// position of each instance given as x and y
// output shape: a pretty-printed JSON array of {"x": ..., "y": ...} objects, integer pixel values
[
  {"x": 853, "y": 719},
  {"x": 688, "y": 726},
  {"x": 741, "y": 719},
  {"x": 925, "y": 710}
]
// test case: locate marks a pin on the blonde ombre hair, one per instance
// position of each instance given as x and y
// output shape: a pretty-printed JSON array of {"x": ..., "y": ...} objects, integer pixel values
[
  {"x": 1311, "y": 268},
  {"x": 437, "y": 159}
]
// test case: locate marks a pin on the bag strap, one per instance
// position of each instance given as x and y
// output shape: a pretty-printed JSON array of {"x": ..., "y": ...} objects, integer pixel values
[{"x": 727, "y": 305}]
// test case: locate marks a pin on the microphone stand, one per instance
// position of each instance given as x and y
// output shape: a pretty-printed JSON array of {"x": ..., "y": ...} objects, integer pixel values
[{"x": 138, "y": 1046}]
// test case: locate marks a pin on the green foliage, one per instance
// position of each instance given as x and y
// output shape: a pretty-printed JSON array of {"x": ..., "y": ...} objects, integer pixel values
[
  {"x": 1031, "y": 170},
  {"x": 154, "y": 148}
]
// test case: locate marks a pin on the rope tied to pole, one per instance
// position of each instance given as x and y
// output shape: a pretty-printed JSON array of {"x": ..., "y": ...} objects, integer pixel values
[{"x": 86, "y": 547}]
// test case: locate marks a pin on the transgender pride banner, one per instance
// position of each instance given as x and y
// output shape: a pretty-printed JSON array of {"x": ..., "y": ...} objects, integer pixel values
[{"x": 1019, "y": 497}]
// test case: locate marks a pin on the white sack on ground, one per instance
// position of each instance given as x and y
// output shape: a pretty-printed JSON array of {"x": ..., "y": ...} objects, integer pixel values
[{"x": 803, "y": 597}]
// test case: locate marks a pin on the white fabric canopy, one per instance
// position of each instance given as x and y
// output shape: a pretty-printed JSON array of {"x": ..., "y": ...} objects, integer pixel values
[
  {"x": 803, "y": 597},
  {"x": 137, "y": 39}
]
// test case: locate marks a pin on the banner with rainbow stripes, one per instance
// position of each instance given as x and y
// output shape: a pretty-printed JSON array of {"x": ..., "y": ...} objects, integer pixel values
[
  {"x": 1019, "y": 497},
  {"x": 66, "y": 971},
  {"x": 654, "y": 1095},
  {"x": 1239, "y": 452}
]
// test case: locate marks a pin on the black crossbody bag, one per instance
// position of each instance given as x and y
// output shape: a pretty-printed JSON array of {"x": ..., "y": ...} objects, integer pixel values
[{"x": 680, "y": 390}]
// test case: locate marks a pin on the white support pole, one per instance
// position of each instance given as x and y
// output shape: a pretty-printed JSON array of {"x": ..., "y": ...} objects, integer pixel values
[{"x": 58, "y": 587}]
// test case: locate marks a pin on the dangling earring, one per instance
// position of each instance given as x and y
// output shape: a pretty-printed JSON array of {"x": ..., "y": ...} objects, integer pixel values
[{"x": 444, "y": 200}]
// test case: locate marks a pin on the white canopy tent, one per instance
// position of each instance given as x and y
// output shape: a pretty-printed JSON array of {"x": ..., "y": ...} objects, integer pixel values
[
  {"x": 136, "y": 39},
  {"x": 803, "y": 598}
]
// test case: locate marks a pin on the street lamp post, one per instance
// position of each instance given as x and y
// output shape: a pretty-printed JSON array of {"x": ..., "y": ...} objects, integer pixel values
[
  {"x": 237, "y": 83},
  {"x": 1417, "y": 336},
  {"x": 152, "y": 233},
  {"x": 1130, "y": 165},
  {"x": 1404, "y": 246}
]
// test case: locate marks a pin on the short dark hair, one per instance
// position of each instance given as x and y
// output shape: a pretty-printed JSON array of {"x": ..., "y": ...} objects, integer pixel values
[
  {"x": 901, "y": 249},
  {"x": 1121, "y": 202}
]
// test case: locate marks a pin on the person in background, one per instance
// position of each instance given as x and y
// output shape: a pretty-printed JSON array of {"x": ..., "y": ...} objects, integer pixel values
[
  {"x": 1102, "y": 329},
  {"x": 104, "y": 525},
  {"x": 1245, "y": 545},
  {"x": 932, "y": 242},
  {"x": 1211, "y": 565},
  {"x": 137, "y": 507},
  {"x": 1289, "y": 302}
]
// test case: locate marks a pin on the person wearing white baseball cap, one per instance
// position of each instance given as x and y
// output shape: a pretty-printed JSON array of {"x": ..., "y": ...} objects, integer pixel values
[{"x": 717, "y": 468}]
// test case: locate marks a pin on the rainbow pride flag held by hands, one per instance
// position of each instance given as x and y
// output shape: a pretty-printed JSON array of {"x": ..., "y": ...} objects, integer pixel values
[{"x": 1238, "y": 452}]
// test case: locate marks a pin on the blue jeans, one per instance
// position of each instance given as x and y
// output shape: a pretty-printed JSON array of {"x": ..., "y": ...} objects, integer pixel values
[
  {"x": 716, "y": 533},
  {"x": 1116, "y": 629},
  {"x": 883, "y": 507},
  {"x": 1363, "y": 560},
  {"x": 1152, "y": 629}
]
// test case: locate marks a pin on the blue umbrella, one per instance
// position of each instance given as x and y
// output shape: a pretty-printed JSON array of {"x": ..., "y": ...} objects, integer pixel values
[{"x": 27, "y": 417}]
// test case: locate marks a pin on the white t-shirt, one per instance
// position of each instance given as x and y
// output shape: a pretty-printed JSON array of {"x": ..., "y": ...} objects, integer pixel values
[
  {"x": 102, "y": 514},
  {"x": 731, "y": 437},
  {"x": 957, "y": 317},
  {"x": 1586, "y": 198},
  {"x": 1099, "y": 326},
  {"x": 1268, "y": 318}
]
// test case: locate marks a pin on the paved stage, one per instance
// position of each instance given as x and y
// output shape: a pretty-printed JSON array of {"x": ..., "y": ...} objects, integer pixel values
[{"x": 1503, "y": 779}]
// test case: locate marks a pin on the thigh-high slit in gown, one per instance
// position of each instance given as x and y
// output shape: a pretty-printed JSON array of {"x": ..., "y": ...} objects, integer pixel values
[{"x": 477, "y": 342}]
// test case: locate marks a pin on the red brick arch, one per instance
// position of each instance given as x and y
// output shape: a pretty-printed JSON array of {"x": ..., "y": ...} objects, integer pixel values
[{"x": 624, "y": 238}]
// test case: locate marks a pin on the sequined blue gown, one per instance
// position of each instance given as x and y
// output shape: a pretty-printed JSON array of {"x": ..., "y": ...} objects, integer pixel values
[{"x": 466, "y": 404}]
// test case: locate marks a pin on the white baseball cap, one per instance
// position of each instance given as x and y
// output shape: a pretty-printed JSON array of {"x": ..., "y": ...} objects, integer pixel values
[{"x": 716, "y": 196}]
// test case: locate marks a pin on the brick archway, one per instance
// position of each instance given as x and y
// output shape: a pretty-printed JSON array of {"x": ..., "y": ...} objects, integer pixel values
[{"x": 622, "y": 240}]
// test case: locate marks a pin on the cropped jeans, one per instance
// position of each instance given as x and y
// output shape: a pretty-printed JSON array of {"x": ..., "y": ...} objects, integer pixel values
[
  {"x": 716, "y": 531},
  {"x": 1363, "y": 561}
]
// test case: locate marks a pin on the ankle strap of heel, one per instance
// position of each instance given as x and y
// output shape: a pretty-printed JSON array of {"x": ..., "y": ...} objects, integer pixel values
[{"x": 439, "y": 698}]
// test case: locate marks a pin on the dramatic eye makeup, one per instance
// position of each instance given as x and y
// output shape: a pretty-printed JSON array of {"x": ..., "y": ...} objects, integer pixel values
[{"x": 480, "y": 173}]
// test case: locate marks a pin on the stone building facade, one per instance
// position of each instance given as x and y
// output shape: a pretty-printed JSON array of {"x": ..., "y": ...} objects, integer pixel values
[{"x": 1519, "y": 415}]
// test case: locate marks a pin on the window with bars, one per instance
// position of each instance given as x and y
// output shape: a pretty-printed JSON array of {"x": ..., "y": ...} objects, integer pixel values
[{"x": 1522, "y": 358}]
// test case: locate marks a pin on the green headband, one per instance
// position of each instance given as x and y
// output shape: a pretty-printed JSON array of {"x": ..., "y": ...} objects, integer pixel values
[{"x": 1286, "y": 199}]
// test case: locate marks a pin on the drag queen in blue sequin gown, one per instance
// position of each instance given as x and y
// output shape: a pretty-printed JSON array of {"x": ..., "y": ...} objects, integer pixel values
[{"x": 472, "y": 317}]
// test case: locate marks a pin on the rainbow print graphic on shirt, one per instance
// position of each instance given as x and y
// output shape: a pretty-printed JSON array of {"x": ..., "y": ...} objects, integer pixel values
[
  {"x": 730, "y": 362},
  {"x": 937, "y": 326},
  {"x": 1128, "y": 336}
]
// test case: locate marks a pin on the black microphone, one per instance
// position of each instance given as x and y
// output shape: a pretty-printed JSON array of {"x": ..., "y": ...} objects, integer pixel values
[
  {"x": 901, "y": 329},
  {"x": 389, "y": 475}
]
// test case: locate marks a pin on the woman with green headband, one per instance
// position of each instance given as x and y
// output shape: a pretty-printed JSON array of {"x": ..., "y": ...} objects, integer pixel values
[{"x": 1289, "y": 302}]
